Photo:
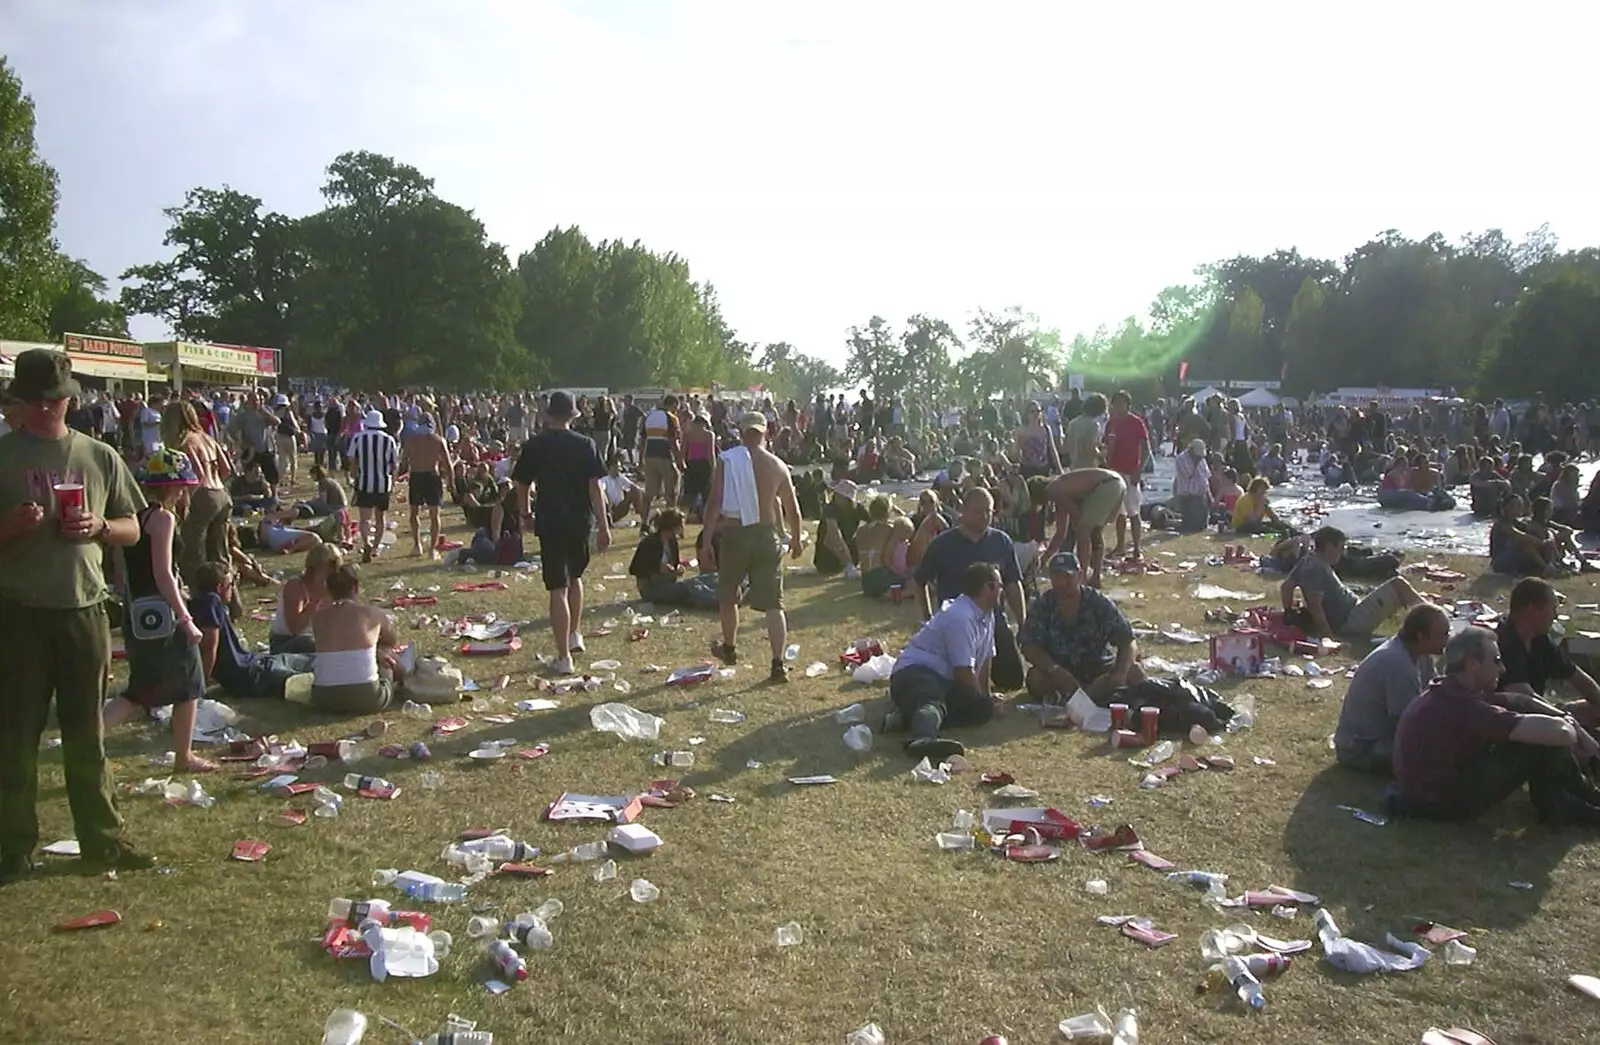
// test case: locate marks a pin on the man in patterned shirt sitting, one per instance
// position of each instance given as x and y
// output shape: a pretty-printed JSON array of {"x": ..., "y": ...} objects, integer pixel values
[{"x": 1076, "y": 638}]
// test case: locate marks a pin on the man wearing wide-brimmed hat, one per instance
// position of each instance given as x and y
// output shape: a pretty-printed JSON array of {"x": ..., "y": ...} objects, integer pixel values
[{"x": 64, "y": 497}]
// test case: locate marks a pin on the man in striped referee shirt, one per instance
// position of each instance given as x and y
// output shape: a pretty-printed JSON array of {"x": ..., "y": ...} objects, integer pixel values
[{"x": 374, "y": 458}]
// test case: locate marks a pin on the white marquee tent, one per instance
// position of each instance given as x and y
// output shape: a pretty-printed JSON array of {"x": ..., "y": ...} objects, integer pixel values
[
  {"x": 1258, "y": 397},
  {"x": 1206, "y": 394}
]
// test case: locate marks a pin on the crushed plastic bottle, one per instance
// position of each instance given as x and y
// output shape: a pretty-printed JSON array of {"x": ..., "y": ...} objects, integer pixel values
[
  {"x": 551, "y": 908},
  {"x": 1126, "y": 1029},
  {"x": 357, "y": 782},
  {"x": 429, "y": 780},
  {"x": 850, "y": 715},
  {"x": 1096, "y": 887},
  {"x": 952, "y": 840},
  {"x": 726, "y": 716},
  {"x": 1457, "y": 953},
  {"x": 626, "y": 722},
  {"x": 460, "y": 1037},
  {"x": 1244, "y": 983},
  {"x": 411, "y": 709},
  {"x": 871, "y": 1034},
  {"x": 622, "y": 686},
  {"x": 1156, "y": 755},
  {"x": 816, "y": 669},
  {"x": 329, "y": 803},
  {"x": 789, "y": 934},
  {"x": 858, "y": 738},
  {"x": 344, "y": 1027},
  {"x": 681, "y": 759},
  {"x": 1209, "y": 882},
  {"x": 580, "y": 853},
  {"x": 1216, "y": 944},
  {"x": 963, "y": 821},
  {"x": 643, "y": 891},
  {"x": 791, "y": 651},
  {"x": 1244, "y": 712},
  {"x": 506, "y": 959},
  {"x": 606, "y": 872},
  {"x": 480, "y": 926},
  {"x": 531, "y": 933},
  {"x": 1091, "y": 1026}
]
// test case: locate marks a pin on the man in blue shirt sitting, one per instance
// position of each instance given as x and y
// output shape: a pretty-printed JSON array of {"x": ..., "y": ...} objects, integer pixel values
[{"x": 942, "y": 676}]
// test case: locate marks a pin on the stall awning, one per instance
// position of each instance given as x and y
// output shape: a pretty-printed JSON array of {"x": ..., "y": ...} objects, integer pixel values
[
  {"x": 6, "y": 369},
  {"x": 115, "y": 358},
  {"x": 198, "y": 359}
]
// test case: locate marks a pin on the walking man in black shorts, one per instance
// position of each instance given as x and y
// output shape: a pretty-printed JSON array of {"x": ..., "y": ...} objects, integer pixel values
[
  {"x": 374, "y": 458},
  {"x": 427, "y": 458},
  {"x": 564, "y": 468}
]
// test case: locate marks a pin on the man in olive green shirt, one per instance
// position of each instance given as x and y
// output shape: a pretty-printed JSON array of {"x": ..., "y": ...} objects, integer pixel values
[{"x": 54, "y": 639}]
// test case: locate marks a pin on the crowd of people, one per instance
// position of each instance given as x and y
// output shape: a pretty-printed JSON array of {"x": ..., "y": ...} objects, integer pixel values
[{"x": 167, "y": 505}]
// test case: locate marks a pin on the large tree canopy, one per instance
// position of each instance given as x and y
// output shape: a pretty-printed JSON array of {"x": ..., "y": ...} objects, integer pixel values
[{"x": 28, "y": 259}]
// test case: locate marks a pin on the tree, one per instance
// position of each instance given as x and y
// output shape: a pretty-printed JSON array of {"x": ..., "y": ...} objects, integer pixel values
[
  {"x": 1011, "y": 355},
  {"x": 28, "y": 198},
  {"x": 78, "y": 304},
  {"x": 927, "y": 361},
  {"x": 403, "y": 288},
  {"x": 233, "y": 278},
  {"x": 790, "y": 374},
  {"x": 1548, "y": 342},
  {"x": 620, "y": 315},
  {"x": 874, "y": 354}
]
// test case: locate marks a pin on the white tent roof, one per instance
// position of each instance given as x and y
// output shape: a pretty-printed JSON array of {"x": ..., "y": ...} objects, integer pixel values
[
  {"x": 1258, "y": 397},
  {"x": 1206, "y": 393}
]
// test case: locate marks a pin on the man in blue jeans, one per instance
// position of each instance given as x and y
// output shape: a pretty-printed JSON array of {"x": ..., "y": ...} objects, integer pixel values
[{"x": 942, "y": 676}]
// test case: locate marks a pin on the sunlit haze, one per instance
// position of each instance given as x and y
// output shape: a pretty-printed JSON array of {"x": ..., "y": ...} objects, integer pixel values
[{"x": 821, "y": 162}]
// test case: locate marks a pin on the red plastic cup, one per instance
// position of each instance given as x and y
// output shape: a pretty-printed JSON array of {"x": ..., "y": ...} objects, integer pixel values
[
  {"x": 1149, "y": 724},
  {"x": 896, "y": 593},
  {"x": 69, "y": 501},
  {"x": 1119, "y": 716}
]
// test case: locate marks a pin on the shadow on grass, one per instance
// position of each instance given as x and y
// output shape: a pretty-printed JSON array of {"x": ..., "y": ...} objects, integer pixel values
[{"x": 1385, "y": 877}]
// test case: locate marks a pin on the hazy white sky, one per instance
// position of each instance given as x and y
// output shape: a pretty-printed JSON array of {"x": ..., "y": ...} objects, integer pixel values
[{"x": 822, "y": 161}]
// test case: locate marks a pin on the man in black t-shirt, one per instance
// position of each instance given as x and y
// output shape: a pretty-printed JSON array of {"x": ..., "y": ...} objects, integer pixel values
[
  {"x": 564, "y": 467},
  {"x": 1530, "y": 661}
]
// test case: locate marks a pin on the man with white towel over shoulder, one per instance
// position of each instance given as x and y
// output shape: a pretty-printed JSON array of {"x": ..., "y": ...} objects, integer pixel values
[{"x": 752, "y": 497}]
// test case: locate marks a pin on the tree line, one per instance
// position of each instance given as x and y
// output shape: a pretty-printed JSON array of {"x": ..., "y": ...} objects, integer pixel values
[{"x": 390, "y": 285}]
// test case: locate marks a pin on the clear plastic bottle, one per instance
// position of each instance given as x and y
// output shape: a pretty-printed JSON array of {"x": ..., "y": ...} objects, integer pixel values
[
  {"x": 503, "y": 849},
  {"x": 344, "y": 1027},
  {"x": 1244, "y": 983},
  {"x": 531, "y": 933},
  {"x": 791, "y": 651},
  {"x": 411, "y": 709},
  {"x": 789, "y": 934},
  {"x": 385, "y": 876},
  {"x": 1125, "y": 1031},
  {"x": 606, "y": 872},
  {"x": 1160, "y": 753},
  {"x": 506, "y": 959},
  {"x": 858, "y": 737},
  {"x": 460, "y": 1037},
  {"x": 644, "y": 891},
  {"x": 329, "y": 803},
  {"x": 681, "y": 759},
  {"x": 580, "y": 853},
  {"x": 439, "y": 892},
  {"x": 480, "y": 926},
  {"x": 551, "y": 908},
  {"x": 1457, "y": 953},
  {"x": 950, "y": 840},
  {"x": 726, "y": 716},
  {"x": 357, "y": 782},
  {"x": 963, "y": 820}
]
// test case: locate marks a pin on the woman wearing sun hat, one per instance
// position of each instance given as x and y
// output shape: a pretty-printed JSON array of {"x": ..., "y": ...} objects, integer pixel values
[{"x": 159, "y": 634}]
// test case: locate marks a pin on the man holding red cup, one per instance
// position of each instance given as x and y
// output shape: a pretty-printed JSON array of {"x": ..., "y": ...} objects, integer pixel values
[{"x": 64, "y": 498}]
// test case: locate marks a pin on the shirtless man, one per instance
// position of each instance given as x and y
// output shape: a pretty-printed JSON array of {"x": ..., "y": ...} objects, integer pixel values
[
  {"x": 1086, "y": 499},
  {"x": 427, "y": 457},
  {"x": 883, "y": 545},
  {"x": 750, "y": 545}
]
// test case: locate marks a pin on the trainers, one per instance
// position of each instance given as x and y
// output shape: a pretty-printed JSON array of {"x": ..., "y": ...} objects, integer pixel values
[
  {"x": 893, "y": 721},
  {"x": 561, "y": 665},
  {"x": 575, "y": 643},
  {"x": 779, "y": 673},
  {"x": 934, "y": 749},
  {"x": 120, "y": 857},
  {"x": 13, "y": 868},
  {"x": 725, "y": 653}
]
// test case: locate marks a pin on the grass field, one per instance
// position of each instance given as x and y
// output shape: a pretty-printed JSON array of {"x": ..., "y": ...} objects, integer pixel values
[{"x": 934, "y": 947}]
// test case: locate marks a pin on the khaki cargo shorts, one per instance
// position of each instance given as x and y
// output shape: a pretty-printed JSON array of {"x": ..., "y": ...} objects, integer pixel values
[
  {"x": 753, "y": 552},
  {"x": 661, "y": 479}
]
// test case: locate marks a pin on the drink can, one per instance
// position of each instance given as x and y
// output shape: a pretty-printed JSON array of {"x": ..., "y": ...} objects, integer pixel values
[
  {"x": 1119, "y": 716},
  {"x": 897, "y": 592}
]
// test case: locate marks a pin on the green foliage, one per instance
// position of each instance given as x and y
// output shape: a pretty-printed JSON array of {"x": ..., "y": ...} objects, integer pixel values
[
  {"x": 28, "y": 268},
  {"x": 1550, "y": 339},
  {"x": 234, "y": 275},
  {"x": 619, "y": 315},
  {"x": 789, "y": 374},
  {"x": 401, "y": 287},
  {"x": 78, "y": 303}
]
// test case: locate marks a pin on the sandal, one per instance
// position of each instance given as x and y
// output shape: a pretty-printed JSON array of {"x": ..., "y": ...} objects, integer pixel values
[{"x": 195, "y": 764}]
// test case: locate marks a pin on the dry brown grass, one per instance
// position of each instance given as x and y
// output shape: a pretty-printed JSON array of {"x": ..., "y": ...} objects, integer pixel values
[{"x": 934, "y": 947}]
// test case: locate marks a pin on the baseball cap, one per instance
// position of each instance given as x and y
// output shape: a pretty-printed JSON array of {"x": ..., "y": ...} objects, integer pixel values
[
  {"x": 1064, "y": 562},
  {"x": 753, "y": 420}
]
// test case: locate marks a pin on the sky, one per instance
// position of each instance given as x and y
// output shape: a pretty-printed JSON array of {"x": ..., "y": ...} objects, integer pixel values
[{"x": 822, "y": 162}]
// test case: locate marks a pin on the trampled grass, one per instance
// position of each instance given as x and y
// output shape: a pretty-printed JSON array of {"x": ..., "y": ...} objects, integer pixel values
[{"x": 935, "y": 947}]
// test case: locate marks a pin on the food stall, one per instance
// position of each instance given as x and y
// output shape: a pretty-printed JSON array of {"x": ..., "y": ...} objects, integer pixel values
[
  {"x": 192, "y": 363},
  {"x": 119, "y": 364}
]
